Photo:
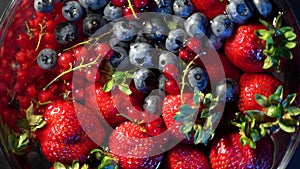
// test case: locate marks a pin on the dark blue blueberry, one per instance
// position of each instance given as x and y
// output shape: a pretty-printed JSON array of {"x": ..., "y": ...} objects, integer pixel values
[
  {"x": 93, "y": 4},
  {"x": 72, "y": 11},
  {"x": 163, "y": 6},
  {"x": 144, "y": 80},
  {"x": 213, "y": 40},
  {"x": 47, "y": 58},
  {"x": 142, "y": 55},
  {"x": 175, "y": 39},
  {"x": 264, "y": 7},
  {"x": 183, "y": 8},
  {"x": 167, "y": 58},
  {"x": 195, "y": 25},
  {"x": 91, "y": 23},
  {"x": 66, "y": 32},
  {"x": 43, "y": 6},
  {"x": 155, "y": 29},
  {"x": 197, "y": 77},
  {"x": 120, "y": 58},
  {"x": 124, "y": 31},
  {"x": 227, "y": 90},
  {"x": 239, "y": 11},
  {"x": 222, "y": 26},
  {"x": 112, "y": 12}
]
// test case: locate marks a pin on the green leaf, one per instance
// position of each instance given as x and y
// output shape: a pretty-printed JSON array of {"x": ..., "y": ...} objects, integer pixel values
[
  {"x": 198, "y": 96},
  {"x": 262, "y": 100},
  {"x": 284, "y": 52},
  {"x": 75, "y": 165},
  {"x": 125, "y": 89},
  {"x": 263, "y": 34},
  {"x": 85, "y": 166},
  {"x": 268, "y": 63},
  {"x": 23, "y": 140},
  {"x": 288, "y": 126},
  {"x": 58, "y": 165},
  {"x": 204, "y": 113},
  {"x": 293, "y": 111},
  {"x": 290, "y": 45},
  {"x": 286, "y": 29},
  {"x": 108, "y": 86},
  {"x": 289, "y": 100},
  {"x": 278, "y": 21},
  {"x": 290, "y": 36},
  {"x": 118, "y": 75},
  {"x": 186, "y": 109},
  {"x": 275, "y": 111},
  {"x": 266, "y": 24},
  {"x": 186, "y": 128},
  {"x": 256, "y": 114},
  {"x": 108, "y": 162},
  {"x": 207, "y": 99}
]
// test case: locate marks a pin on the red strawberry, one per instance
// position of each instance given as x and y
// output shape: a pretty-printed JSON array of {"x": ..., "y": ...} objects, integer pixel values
[
  {"x": 245, "y": 50},
  {"x": 133, "y": 147},
  {"x": 64, "y": 138},
  {"x": 251, "y": 84},
  {"x": 185, "y": 157},
  {"x": 227, "y": 152},
  {"x": 103, "y": 102},
  {"x": 210, "y": 8}
]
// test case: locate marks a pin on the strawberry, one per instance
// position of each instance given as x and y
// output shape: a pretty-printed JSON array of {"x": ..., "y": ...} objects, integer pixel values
[
  {"x": 245, "y": 50},
  {"x": 227, "y": 152},
  {"x": 210, "y": 8},
  {"x": 252, "y": 84},
  {"x": 63, "y": 138},
  {"x": 185, "y": 157},
  {"x": 258, "y": 47},
  {"x": 137, "y": 150}
]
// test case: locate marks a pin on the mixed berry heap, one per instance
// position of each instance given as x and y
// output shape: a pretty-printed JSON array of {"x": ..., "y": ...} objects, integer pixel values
[{"x": 146, "y": 83}]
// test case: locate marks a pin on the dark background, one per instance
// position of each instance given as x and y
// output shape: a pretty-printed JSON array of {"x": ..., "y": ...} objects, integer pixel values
[{"x": 294, "y": 163}]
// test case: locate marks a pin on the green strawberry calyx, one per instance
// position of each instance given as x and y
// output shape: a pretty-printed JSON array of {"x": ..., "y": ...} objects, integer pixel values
[
  {"x": 279, "y": 113},
  {"x": 279, "y": 42},
  {"x": 119, "y": 79},
  {"x": 75, "y": 165},
  {"x": 193, "y": 120},
  {"x": 105, "y": 159}
]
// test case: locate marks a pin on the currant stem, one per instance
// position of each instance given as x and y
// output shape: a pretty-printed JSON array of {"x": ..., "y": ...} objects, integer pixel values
[
  {"x": 185, "y": 72},
  {"x": 41, "y": 34},
  {"x": 131, "y": 8},
  {"x": 71, "y": 69}
]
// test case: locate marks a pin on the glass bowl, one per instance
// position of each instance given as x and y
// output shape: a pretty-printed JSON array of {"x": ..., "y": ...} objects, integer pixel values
[{"x": 285, "y": 144}]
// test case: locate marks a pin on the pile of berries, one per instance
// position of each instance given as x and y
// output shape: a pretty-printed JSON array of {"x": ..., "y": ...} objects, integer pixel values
[{"x": 146, "y": 83}]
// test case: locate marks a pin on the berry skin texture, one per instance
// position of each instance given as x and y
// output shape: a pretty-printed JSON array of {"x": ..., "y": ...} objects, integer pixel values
[
  {"x": 91, "y": 23},
  {"x": 112, "y": 12},
  {"x": 136, "y": 147},
  {"x": 63, "y": 138},
  {"x": 93, "y": 4},
  {"x": 144, "y": 80},
  {"x": 197, "y": 77},
  {"x": 185, "y": 157},
  {"x": 245, "y": 50},
  {"x": 175, "y": 39},
  {"x": 239, "y": 11},
  {"x": 222, "y": 26},
  {"x": 183, "y": 8},
  {"x": 72, "y": 11},
  {"x": 124, "y": 31},
  {"x": 66, "y": 32},
  {"x": 210, "y": 8},
  {"x": 195, "y": 25},
  {"x": 43, "y": 6},
  {"x": 227, "y": 152},
  {"x": 251, "y": 84},
  {"x": 47, "y": 59}
]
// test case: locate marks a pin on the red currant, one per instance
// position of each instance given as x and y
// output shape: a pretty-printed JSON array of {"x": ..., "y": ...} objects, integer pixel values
[
  {"x": 193, "y": 44},
  {"x": 155, "y": 127},
  {"x": 186, "y": 55},
  {"x": 140, "y": 3},
  {"x": 172, "y": 86},
  {"x": 170, "y": 71},
  {"x": 104, "y": 50},
  {"x": 65, "y": 59},
  {"x": 119, "y": 2}
]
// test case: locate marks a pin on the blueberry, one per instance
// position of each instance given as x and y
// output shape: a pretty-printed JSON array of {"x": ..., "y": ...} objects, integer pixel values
[
  {"x": 163, "y": 6},
  {"x": 239, "y": 11},
  {"x": 153, "y": 103},
  {"x": 66, "y": 32},
  {"x": 183, "y": 8},
  {"x": 195, "y": 25},
  {"x": 155, "y": 29},
  {"x": 213, "y": 40},
  {"x": 264, "y": 7},
  {"x": 124, "y": 31},
  {"x": 120, "y": 58},
  {"x": 91, "y": 23},
  {"x": 227, "y": 89},
  {"x": 175, "y": 39},
  {"x": 112, "y": 12},
  {"x": 47, "y": 58},
  {"x": 144, "y": 80},
  {"x": 167, "y": 58},
  {"x": 142, "y": 55},
  {"x": 43, "y": 6},
  {"x": 222, "y": 26},
  {"x": 197, "y": 77},
  {"x": 72, "y": 11},
  {"x": 162, "y": 82},
  {"x": 93, "y": 4}
]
